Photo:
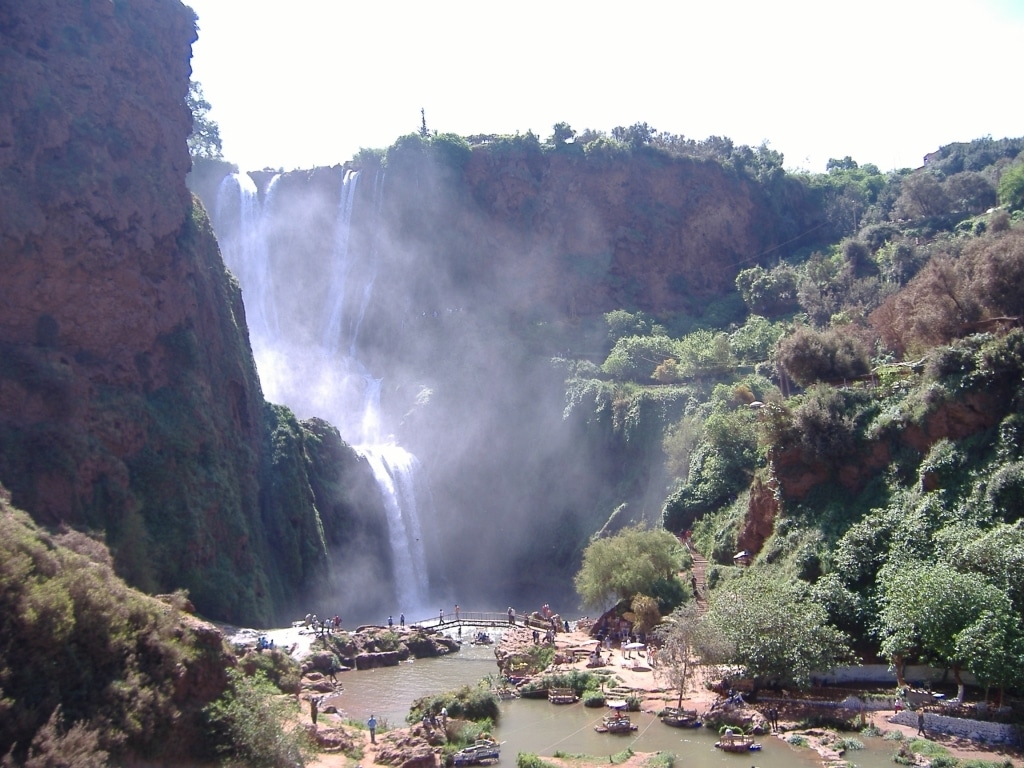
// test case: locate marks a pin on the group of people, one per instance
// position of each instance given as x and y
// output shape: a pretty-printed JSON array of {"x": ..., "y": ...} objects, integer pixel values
[
  {"x": 323, "y": 626},
  {"x": 401, "y": 621}
]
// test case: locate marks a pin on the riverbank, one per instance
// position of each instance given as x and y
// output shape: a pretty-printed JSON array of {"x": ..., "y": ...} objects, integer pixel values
[{"x": 633, "y": 672}]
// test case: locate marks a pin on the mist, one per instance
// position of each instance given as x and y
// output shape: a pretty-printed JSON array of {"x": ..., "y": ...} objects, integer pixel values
[{"x": 403, "y": 310}]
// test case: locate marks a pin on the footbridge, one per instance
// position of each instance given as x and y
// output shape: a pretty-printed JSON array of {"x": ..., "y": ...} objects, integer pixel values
[{"x": 486, "y": 619}]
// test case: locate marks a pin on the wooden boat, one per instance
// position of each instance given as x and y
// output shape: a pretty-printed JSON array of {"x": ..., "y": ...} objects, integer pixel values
[
  {"x": 736, "y": 742},
  {"x": 617, "y": 722},
  {"x": 480, "y": 751},
  {"x": 681, "y": 718},
  {"x": 562, "y": 695}
]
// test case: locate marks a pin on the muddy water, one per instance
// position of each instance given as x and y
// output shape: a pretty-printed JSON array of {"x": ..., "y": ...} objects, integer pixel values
[{"x": 542, "y": 728}]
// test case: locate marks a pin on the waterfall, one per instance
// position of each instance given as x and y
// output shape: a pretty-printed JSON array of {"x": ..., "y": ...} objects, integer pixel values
[
  {"x": 307, "y": 358},
  {"x": 341, "y": 264},
  {"x": 396, "y": 471},
  {"x": 246, "y": 253}
]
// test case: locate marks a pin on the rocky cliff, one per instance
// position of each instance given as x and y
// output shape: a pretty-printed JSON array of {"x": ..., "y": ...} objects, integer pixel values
[
  {"x": 475, "y": 266},
  {"x": 129, "y": 402}
]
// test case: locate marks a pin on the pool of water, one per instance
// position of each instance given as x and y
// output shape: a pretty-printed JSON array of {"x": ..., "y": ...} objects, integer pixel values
[{"x": 531, "y": 725}]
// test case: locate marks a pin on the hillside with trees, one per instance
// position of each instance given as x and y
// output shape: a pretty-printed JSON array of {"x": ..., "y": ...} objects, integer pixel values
[{"x": 856, "y": 431}]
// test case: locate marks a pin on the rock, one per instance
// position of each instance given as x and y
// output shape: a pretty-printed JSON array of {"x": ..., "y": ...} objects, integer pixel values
[{"x": 404, "y": 749}]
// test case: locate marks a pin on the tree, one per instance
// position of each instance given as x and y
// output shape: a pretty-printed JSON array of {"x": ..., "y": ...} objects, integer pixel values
[
  {"x": 926, "y": 607},
  {"x": 768, "y": 292},
  {"x": 563, "y": 134},
  {"x": 778, "y": 631},
  {"x": 637, "y": 357},
  {"x": 1011, "y": 188},
  {"x": 686, "y": 641},
  {"x": 993, "y": 648},
  {"x": 204, "y": 141},
  {"x": 922, "y": 196},
  {"x": 622, "y": 323},
  {"x": 627, "y": 564},
  {"x": 810, "y": 356},
  {"x": 645, "y": 613}
]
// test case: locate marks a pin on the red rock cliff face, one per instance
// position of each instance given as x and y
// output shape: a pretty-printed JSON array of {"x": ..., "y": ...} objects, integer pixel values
[
  {"x": 128, "y": 398},
  {"x": 93, "y": 158},
  {"x": 588, "y": 237}
]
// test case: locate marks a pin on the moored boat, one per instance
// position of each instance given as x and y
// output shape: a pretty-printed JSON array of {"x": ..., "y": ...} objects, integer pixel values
[
  {"x": 681, "y": 718},
  {"x": 480, "y": 751},
  {"x": 617, "y": 722},
  {"x": 731, "y": 741},
  {"x": 562, "y": 696}
]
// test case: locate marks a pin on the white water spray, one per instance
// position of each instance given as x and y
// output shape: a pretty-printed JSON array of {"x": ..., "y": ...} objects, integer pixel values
[{"x": 336, "y": 385}]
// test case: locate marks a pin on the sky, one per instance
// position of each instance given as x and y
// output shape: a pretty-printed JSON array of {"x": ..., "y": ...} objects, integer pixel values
[{"x": 304, "y": 83}]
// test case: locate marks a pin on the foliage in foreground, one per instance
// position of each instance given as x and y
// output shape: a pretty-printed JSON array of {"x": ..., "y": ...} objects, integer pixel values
[
  {"x": 89, "y": 667},
  {"x": 250, "y": 721}
]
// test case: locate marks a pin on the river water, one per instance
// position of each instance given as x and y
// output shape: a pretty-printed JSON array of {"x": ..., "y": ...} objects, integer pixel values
[{"x": 531, "y": 725}]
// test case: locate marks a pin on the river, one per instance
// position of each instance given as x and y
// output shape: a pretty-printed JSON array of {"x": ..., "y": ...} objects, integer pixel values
[{"x": 530, "y": 725}]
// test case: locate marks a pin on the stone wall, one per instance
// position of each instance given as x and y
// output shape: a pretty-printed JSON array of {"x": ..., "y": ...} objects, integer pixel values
[{"x": 975, "y": 730}]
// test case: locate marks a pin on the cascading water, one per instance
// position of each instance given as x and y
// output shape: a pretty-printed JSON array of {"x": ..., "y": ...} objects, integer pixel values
[
  {"x": 246, "y": 254},
  {"x": 337, "y": 387}
]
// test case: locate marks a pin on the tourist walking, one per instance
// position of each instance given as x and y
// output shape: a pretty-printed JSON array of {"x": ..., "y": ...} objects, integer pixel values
[{"x": 372, "y": 725}]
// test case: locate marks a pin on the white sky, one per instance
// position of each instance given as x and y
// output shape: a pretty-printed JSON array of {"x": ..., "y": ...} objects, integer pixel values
[{"x": 300, "y": 83}]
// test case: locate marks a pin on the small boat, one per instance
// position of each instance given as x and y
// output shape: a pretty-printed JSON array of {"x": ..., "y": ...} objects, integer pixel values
[
  {"x": 482, "y": 638},
  {"x": 617, "y": 722},
  {"x": 681, "y": 718},
  {"x": 562, "y": 696},
  {"x": 736, "y": 742},
  {"x": 480, "y": 751}
]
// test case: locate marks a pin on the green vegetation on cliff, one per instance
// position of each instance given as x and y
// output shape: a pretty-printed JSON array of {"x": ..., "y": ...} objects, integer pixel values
[{"x": 869, "y": 454}]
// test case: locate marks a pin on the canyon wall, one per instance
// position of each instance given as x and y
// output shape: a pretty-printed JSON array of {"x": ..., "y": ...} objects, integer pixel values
[{"x": 129, "y": 402}]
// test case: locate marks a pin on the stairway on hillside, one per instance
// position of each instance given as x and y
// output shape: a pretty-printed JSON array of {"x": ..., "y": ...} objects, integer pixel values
[{"x": 699, "y": 571}]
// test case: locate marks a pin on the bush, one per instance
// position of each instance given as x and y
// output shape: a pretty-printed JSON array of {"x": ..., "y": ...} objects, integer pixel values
[
  {"x": 531, "y": 760},
  {"x": 250, "y": 718},
  {"x": 809, "y": 356},
  {"x": 478, "y": 703},
  {"x": 593, "y": 699}
]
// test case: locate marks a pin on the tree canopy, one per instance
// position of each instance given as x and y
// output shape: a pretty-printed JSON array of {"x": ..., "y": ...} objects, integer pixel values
[
  {"x": 779, "y": 632},
  {"x": 204, "y": 141},
  {"x": 627, "y": 564}
]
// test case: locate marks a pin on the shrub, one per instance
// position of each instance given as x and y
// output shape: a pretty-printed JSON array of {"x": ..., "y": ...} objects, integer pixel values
[
  {"x": 250, "y": 718},
  {"x": 478, "y": 703},
  {"x": 531, "y": 760},
  {"x": 809, "y": 356}
]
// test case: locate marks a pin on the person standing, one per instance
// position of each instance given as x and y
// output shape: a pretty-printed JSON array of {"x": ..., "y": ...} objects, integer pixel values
[
  {"x": 372, "y": 725},
  {"x": 920, "y": 722},
  {"x": 401, "y": 621},
  {"x": 390, "y": 623},
  {"x": 511, "y": 615},
  {"x": 314, "y": 707},
  {"x": 456, "y": 611},
  {"x": 440, "y": 616}
]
